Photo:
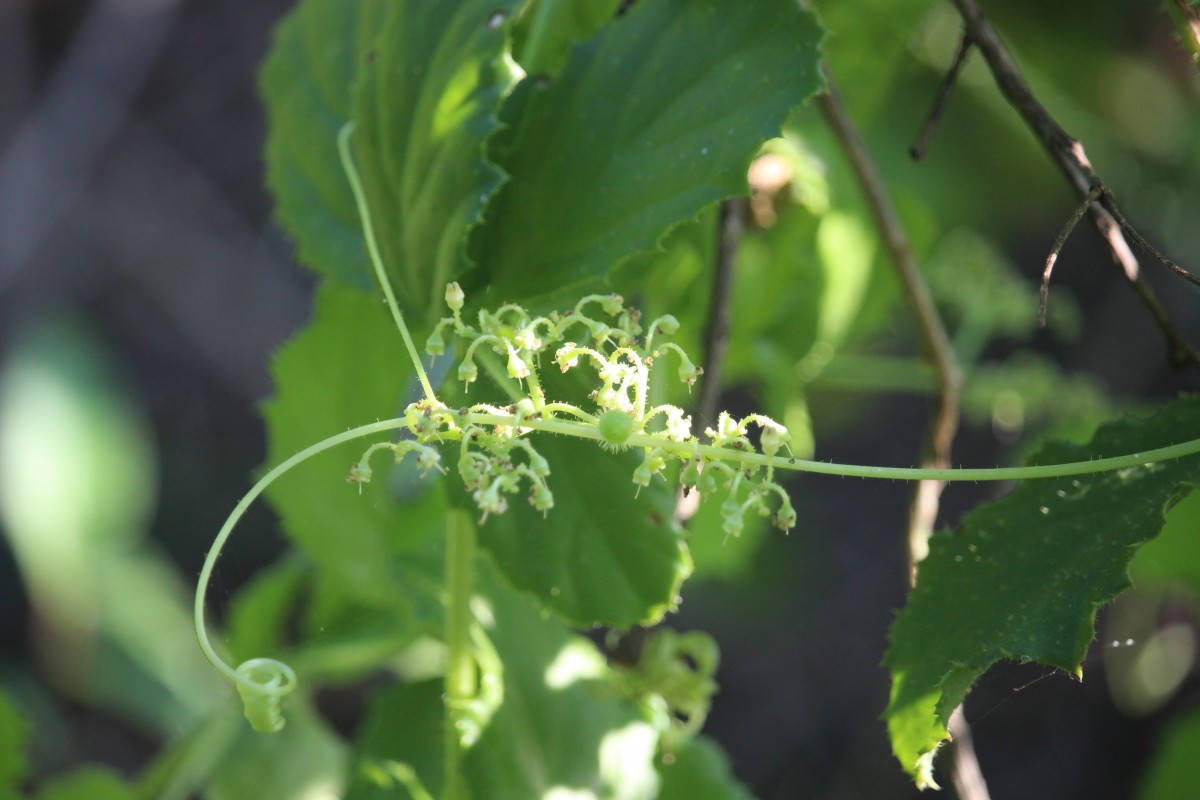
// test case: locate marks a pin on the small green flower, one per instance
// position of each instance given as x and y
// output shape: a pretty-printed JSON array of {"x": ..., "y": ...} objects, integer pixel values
[{"x": 455, "y": 297}]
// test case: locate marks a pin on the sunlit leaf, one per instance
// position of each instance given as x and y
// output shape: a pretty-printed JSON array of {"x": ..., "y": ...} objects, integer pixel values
[
  {"x": 551, "y": 28},
  {"x": 642, "y": 130},
  {"x": 560, "y": 726},
  {"x": 1023, "y": 577},
  {"x": 423, "y": 104},
  {"x": 699, "y": 770}
]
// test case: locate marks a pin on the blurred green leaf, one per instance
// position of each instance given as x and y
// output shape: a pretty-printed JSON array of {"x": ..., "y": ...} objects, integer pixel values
[
  {"x": 641, "y": 131},
  {"x": 77, "y": 483},
  {"x": 699, "y": 770},
  {"x": 1024, "y": 576},
  {"x": 1174, "y": 555},
  {"x": 560, "y": 726},
  {"x": 13, "y": 733},
  {"x": 1172, "y": 771},
  {"x": 867, "y": 43},
  {"x": 401, "y": 739},
  {"x": 264, "y": 608},
  {"x": 304, "y": 760},
  {"x": 89, "y": 783}
]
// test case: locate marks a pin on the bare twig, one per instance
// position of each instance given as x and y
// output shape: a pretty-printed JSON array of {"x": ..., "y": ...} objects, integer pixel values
[
  {"x": 1110, "y": 203},
  {"x": 924, "y": 509},
  {"x": 1063, "y": 235},
  {"x": 968, "y": 777},
  {"x": 1071, "y": 159},
  {"x": 936, "y": 343},
  {"x": 716, "y": 334},
  {"x": 921, "y": 145}
]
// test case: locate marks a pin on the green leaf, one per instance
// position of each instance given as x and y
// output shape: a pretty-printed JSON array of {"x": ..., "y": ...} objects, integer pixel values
[
  {"x": 1172, "y": 771},
  {"x": 653, "y": 118},
  {"x": 304, "y": 757},
  {"x": 699, "y": 770},
  {"x": 561, "y": 725},
  {"x": 13, "y": 733},
  {"x": 1024, "y": 576},
  {"x": 306, "y": 82},
  {"x": 423, "y": 103},
  {"x": 380, "y": 546},
  {"x": 547, "y": 29},
  {"x": 89, "y": 783},
  {"x": 390, "y": 755},
  {"x": 263, "y": 609},
  {"x": 1174, "y": 555},
  {"x": 605, "y": 553},
  {"x": 867, "y": 43},
  {"x": 424, "y": 107}
]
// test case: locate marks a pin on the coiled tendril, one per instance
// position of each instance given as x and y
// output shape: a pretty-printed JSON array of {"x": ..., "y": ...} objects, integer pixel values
[{"x": 262, "y": 684}]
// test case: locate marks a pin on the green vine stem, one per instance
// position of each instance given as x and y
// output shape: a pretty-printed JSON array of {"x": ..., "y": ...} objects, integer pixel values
[
  {"x": 489, "y": 436},
  {"x": 263, "y": 682},
  {"x": 461, "y": 677},
  {"x": 687, "y": 449},
  {"x": 364, "y": 213}
]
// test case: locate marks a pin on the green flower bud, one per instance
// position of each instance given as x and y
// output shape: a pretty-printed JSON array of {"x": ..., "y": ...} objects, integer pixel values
[
  {"x": 731, "y": 517},
  {"x": 455, "y": 297},
  {"x": 688, "y": 372},
  {"x": 773, "y": 438},
  {"x": 785, "y": 517},
  {"x": 468, "y": 372},
  {"x": 517, "y": 368},
  {"x": 435, "y": 345},
  {"x": 668, "y": 324},
  {"x": 542, "y": 499}
]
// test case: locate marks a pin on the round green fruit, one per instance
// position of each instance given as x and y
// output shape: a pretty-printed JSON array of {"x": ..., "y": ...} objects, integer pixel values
[{"x": 616, "y": 427}]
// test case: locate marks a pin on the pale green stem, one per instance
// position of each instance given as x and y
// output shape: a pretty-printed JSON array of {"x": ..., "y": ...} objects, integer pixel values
[
  {"x": 461, "y": 680},
  {"x": 364, "y": 213},
  {"x": 535, "y": 389},
  {"x": 214, "y": 551},
  {"x": 688, "y": 449}
]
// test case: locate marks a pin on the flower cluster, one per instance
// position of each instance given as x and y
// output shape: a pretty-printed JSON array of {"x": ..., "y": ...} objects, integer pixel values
[{"x": 603, "y": 335}]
